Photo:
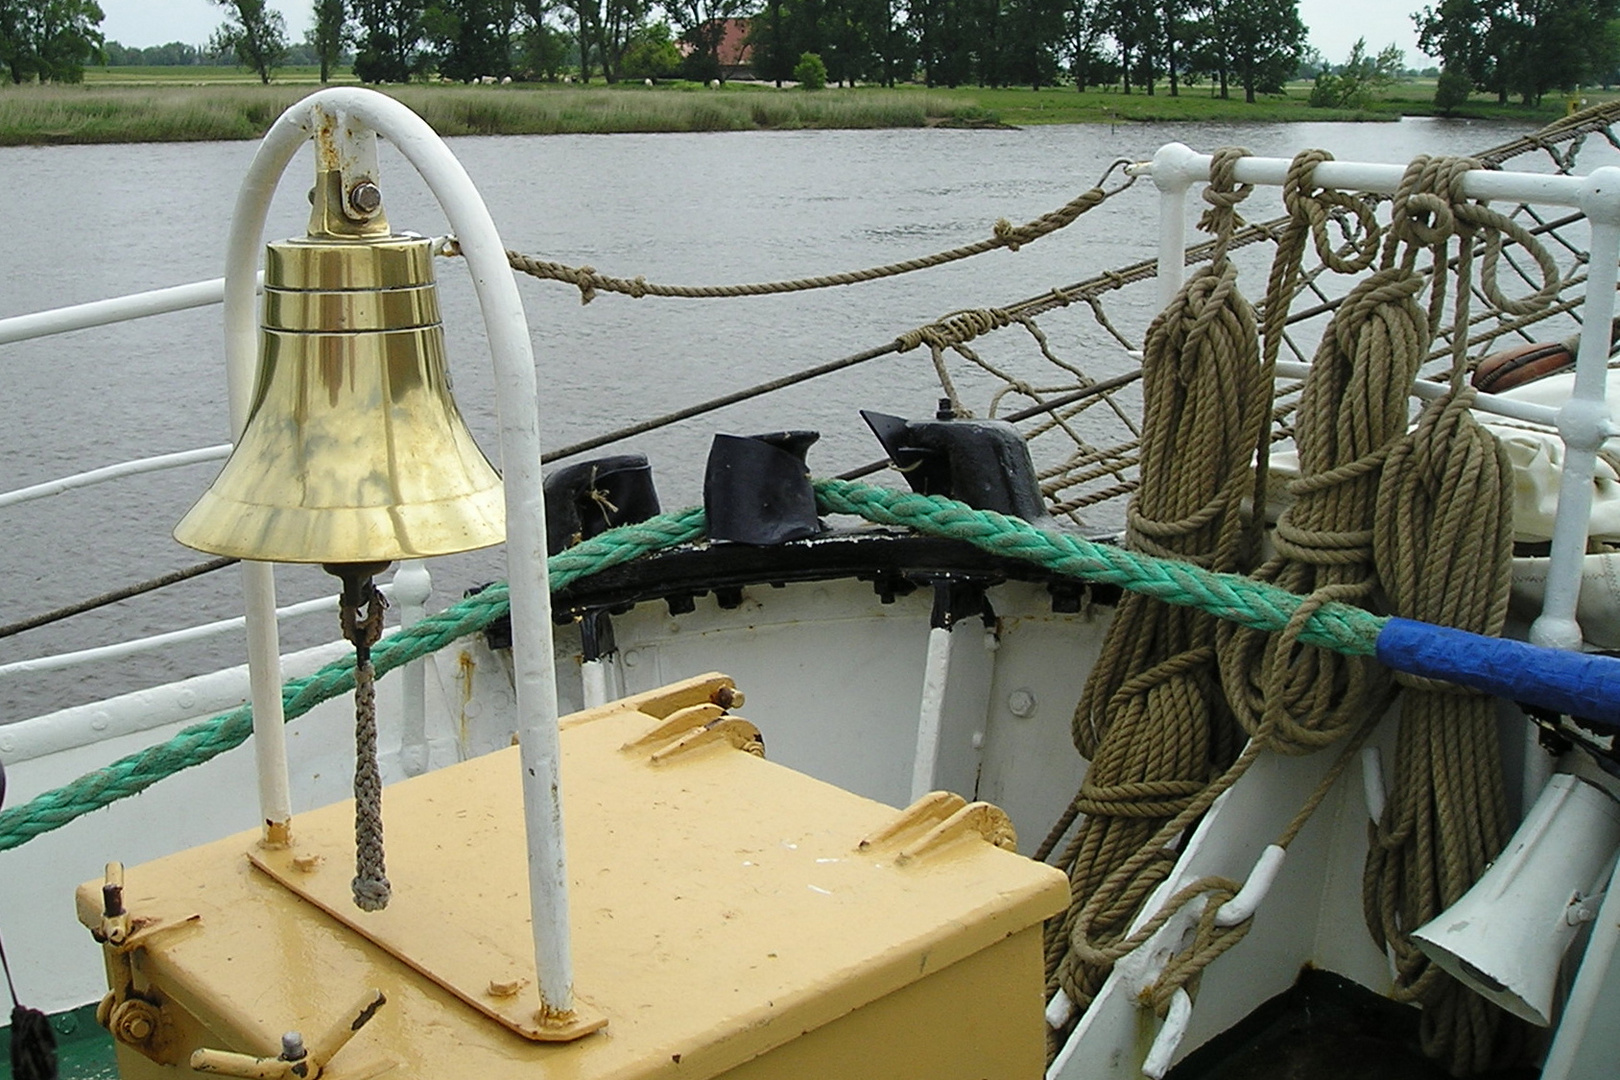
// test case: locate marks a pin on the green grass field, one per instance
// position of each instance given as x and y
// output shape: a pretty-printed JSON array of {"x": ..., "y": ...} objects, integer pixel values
[{"x": 176, "y": 104}]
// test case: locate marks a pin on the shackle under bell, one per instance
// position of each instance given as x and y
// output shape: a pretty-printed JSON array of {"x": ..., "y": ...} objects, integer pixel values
[{"x": 354, "y": 450}]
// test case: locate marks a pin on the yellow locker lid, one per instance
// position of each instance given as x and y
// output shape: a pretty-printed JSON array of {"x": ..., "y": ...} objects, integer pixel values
[{"x": 721, "y": 905}]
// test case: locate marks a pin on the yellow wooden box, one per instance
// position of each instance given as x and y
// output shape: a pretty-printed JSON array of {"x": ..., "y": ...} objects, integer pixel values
[{"x": 731, "y": 917}]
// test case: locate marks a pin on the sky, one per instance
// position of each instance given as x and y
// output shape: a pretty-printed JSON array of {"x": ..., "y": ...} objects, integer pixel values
[{"x": 1334, "y": 24}]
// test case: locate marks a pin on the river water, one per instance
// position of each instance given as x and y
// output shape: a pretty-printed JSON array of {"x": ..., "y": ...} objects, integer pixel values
[{"x": 83, "y": 223}]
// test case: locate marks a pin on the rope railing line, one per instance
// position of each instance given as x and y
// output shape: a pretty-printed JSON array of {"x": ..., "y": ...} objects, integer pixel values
[
  {"x": 946, "y": 331},
  {"x": 1593, "y": 120},
  {"x": 1023, "y": 309},
  {"x": 1004, "y": 235}
]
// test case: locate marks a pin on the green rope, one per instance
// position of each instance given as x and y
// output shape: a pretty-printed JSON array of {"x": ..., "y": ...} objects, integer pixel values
[
  {"x": 1340, "y": 627},
  {"x": 210, "y": 738},
  {"x": 1343, "y": 628}
]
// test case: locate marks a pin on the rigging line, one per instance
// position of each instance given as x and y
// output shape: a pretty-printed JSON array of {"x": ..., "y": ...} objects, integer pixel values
[
  {"x": 721, "y": 402},
  {"x": 1028, "y": 308},
  {"x": 113, "y": 597},
  {"x": 1004, "y": 235}
]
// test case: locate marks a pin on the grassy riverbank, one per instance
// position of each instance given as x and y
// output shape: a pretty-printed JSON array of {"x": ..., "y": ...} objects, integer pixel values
[{"x": 175, "y": 105}]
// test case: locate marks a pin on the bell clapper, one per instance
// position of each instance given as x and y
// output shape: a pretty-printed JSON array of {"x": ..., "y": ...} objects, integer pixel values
[{"x": 360, "y": 609}]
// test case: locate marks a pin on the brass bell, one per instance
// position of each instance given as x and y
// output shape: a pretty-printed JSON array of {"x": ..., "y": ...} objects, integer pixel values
[{"x": 354, "y": 450}]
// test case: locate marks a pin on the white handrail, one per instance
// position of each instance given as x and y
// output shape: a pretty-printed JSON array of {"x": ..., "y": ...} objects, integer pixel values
[
  {"x": 136, "y": 646},
  {"x": 1528, "y": 411},
  {"x": 116, "y": 309},
  {"x": 90, "y": 478}
]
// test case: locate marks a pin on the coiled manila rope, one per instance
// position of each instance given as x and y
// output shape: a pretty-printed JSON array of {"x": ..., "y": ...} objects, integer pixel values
[
  {"x": 1151, "y": 720},
  {"x": 1353, "y": 407},
  {"x": 1443, "y": 547},
  {"x": 1124, "y": 888}
]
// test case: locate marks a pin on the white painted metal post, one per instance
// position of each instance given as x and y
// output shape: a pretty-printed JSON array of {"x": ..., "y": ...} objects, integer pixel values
[
  {"x": 1174, "y": 171},
  {"x": 930, "y": 716},
  {"x": 412, "y": 587},
  {"x": 1583, "y": 423},
  {"x": 593, "y": 679},
  {"x": 258, "y": 579},
  {"x": 517, "y": 398}
]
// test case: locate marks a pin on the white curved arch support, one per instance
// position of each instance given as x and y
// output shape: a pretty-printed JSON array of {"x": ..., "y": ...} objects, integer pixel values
[{"x": 345, "y": 118}]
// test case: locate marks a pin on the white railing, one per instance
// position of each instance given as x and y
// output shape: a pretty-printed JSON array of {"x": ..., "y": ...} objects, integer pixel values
[
  {"x": 137, "y": 646},
  {"x": 118, "y": 309},
  {"x": 92, "y": 477}
]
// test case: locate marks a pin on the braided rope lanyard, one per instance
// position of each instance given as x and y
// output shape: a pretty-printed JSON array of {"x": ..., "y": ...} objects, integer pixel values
[{"x": 360, "y": 611}]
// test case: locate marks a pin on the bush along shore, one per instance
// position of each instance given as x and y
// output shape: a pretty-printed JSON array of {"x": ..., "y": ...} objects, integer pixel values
[
  {"x": 35, "y": 115},
  {"x": 172, "y": 110}
]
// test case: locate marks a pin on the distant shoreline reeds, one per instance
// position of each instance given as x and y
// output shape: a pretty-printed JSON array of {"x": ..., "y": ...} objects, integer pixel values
[{"x": 47, "y": 115}]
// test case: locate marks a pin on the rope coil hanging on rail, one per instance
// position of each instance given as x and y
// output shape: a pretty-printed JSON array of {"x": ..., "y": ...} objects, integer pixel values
[
  {"x": 1150, "y": 719},
  {"x": 1446, "y": 818}
]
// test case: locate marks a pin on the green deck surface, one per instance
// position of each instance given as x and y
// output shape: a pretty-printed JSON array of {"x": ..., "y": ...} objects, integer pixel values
[{"x": 84, "y": 1051}]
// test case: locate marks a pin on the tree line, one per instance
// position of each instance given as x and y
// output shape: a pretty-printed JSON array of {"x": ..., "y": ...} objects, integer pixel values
[
  {"x": 49, "y": 40},
  {"x": 1250, "y": 45},
  {"x": 1524, "y": 48}
]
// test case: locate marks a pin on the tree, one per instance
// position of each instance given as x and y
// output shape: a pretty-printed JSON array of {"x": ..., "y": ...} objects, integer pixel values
[
  {"x": 946, "y": 31},
  {"x": 1554, "y": 45},
  {"x": 471, "y": 39},
  {"x": 810, "y": 72},
  {"x": 542, "y": 49},
  {"x": 652, "y": 54},
  {"x": 1132, "y": 24},
  {"x": 604, "y": 29},
  {"x": 1178, "y": 29},
  {"x": 1451, "y": 90},
  {"x": 1262, "y": 40},
  {"x": 256, "y": 34},
  {"x": 1084, "y": 31},
  {"x": 389, "y": 48},
  {"x": 329, "y": 34},
  {"x": 49, "y": 40},
  {"x": 1351, "y": 87},
  {"x": 1524, "y": 47},
  {"x": 1466, "y": 35},
  {"x": 1034, "y": 31}
]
